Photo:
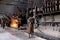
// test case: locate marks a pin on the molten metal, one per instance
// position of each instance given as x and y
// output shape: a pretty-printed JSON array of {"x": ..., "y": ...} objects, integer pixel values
[{"x": 14, "y": 23}]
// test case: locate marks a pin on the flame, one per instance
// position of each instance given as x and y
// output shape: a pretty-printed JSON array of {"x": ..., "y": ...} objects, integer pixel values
[{"x": 14, "y": 23}]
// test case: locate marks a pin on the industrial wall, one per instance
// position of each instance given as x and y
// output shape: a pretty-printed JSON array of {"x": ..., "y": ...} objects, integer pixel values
[
  {"x": 50, "y": 19},
  {"x": 8, "y": 8}
]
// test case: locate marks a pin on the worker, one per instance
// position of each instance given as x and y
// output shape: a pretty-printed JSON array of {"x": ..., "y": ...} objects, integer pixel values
[
  {"x": 19, "y": 23},
  {"x": 3, "y": 23},
  {"x": 31, "y": 26}
]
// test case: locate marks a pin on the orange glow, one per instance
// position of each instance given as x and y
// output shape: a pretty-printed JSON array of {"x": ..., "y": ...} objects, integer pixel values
[{"x": 14, "y": 23}]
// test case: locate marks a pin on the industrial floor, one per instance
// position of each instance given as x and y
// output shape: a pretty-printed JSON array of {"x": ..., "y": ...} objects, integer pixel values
[{"x": 15, "y": 34}]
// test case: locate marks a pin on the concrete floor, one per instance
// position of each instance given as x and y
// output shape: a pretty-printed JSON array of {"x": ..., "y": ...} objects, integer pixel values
[
  {"x": 39, "y": 34},
  {"x": 21, "y": 34}
]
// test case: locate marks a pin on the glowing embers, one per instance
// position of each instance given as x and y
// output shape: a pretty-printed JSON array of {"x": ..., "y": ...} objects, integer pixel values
[{"x": 14, "y": 22}]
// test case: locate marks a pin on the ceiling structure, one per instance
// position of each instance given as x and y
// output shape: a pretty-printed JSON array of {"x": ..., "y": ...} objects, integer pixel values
[{"x": 21, "y": 4}]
